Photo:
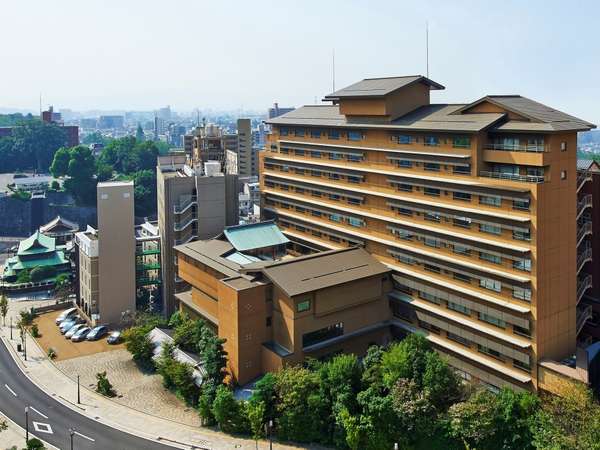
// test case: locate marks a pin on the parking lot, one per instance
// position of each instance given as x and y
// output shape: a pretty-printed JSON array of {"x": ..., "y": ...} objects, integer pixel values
[{"x": 50, "y": 337}]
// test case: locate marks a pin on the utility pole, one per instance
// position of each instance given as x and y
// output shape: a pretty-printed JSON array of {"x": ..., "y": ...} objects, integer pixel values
[
  {"x": 71, "y": 433},
  {"x": 427, "y": 46},
  {"x": 26, "y": 425},
  {"x": 78, "y": 392}
]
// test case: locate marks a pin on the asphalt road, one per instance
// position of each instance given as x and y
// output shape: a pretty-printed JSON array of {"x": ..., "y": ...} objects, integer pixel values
[{"x": 50, "y": 420}]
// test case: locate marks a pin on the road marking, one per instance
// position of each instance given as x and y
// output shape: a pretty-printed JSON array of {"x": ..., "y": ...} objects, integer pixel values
[
  {"x": 43, "y": 415},
  {"x": 11, "y": 391},
  {"x": 42, "y": 427},
  {"x": 84, "y": 436}
]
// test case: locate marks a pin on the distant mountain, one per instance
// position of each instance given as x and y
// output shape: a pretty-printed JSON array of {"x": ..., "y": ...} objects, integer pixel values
[{"x": 589, "y": 137}]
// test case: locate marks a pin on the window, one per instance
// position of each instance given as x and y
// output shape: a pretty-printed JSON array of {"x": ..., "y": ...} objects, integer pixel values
[
  {"x": 489, "y": 351},
  {"x": 283, "y": 131},
  {"x": 431, "y": 191},
  {"x": 404, "y": 259},
  {"x": 405, "y": 163},
  {"x": 334, "y": 176},
  {"x": 522, "y": 293},
  {"x": 522, "y": 204},
  {"x": 462, "y": 170},
  {"x": 492, "y": 320},
  {"x": 522, "y": 264},
  {"x": 462, "y": 277},
  {"x": 433, "y": 167},
  {"x": 335, "y": 197},
  {"x": 353, "y": 201},
  {"x": 334, "y": 134},
  {"x": 299, "y": 152},
  {"x": 431, "y": 268},
  {"x": 490, "y": 257},
  {"x": 489, "y": 228},
  {"x": 315, "y": 154},
  {"x": 536, "y": 172},
  {"x": 404, "y": 187},
  {"x": 354, "y": 157},
  {"x": 522, "y": 331},
  {"x": 335, "y": 155},
  {"x": 432, "y": 141},
  {"x": 431, "y": 216},
  {"x": 464, "y": 196},
  {"x": 563, "y": 146},
  {"x": 330, "y": 332},
  {"x": 492, "y": 285},
  {"x": 429, "y": 327},
  {"x": 522, "y": 235},
  {"x": 459, "y": 308},
  {"x": 335, "y": 217},
  {"x": 403, "y": 234},
  {"x": 521, "y": 365},
  {"x": 402, "y": 139},
  {"x": 430, "y": 297},
  {"x": 563, "y": 174},
  {"x": 432, "y": 242},
  {"x": 303, "y": 306},
  {"x": 356, "y": 222},
  {"x": 354, "y": 135},
  {"x": 299, "y": 132},
  {"x": 490, "y": 200},
  {"x": 353, "y": 179},
  {"x": 461, "y": 249},
  {"x": 405, "y": 212},
  {"x": 457, "y": 338},
  {"x": 461, "y": 142},
  {"x": 463, "y": 222},
  {"x": 315, "y": 133}
]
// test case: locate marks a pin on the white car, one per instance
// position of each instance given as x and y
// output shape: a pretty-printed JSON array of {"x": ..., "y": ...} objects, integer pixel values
[
  {"x": 74, "y": 329},
  {"x": 81, "y": 334},
  {"x": 65, "y": 314}
]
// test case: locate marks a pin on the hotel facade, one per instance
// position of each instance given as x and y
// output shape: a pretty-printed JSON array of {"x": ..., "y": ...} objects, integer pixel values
[{"x": 472, "y": 206}]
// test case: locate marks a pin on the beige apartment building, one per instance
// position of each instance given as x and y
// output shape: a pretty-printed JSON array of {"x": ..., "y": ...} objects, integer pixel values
[
  {"x": 472, "y": 206},
  {"x": 194, "y": 202},
  {"x": 247, "y": 165},
  {"x": 106, "y": 257}
]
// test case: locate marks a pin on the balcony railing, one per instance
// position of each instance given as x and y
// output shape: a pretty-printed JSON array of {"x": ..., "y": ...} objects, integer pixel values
[
  {"x": 512, "y": 177},
  {"x": 583, "y": 257},
  {"x": 583, "y": 285},
  {"x": 532, "y": 148},
  {"x": 185, "y": 241},
  {"x": 584, "y": 313},
  {"x": 583, "y": 230},
  {"x": 585, "y": 202},
  {"x": 582, "y": 178},
  {"x": 180, "y": 226},
  {"x": 184, "y": 205}
]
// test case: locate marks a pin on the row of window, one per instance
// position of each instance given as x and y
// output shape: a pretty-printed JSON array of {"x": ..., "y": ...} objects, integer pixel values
[
  {"x": 464, "y": 169},
  {"x": 317, "y": 233},
  {"x": 351, "y": 200},
  {"x": 323, "y": 334},
  {"x": 318, "y": 154},
  {"x": 432, "y": 140},
  {"x": 316, "y": 133}
]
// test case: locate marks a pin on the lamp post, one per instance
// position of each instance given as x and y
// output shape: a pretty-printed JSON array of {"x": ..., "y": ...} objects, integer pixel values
[
  {"x": 396, "y": 446},
  {"x": 78, "y": 392},
  {"x": 270, "y": 434},
  {"x": 71, "y": 433},
  {"x": 25, "y": 343},
  {"x": 26, "y": 425},
  {"x": 11, "y": 327}
]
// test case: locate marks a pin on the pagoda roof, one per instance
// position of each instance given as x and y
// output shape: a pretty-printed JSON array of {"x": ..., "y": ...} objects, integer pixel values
[{"x": 37, "y": 243}]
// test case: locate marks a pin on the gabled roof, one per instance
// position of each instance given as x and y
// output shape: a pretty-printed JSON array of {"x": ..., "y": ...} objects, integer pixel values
[
  {"x": 58, "y": 224},
  {"x": 380, "y": 87},
  {"x": 542, "y": 117},
  {"x": 322, "y": 270},
  {"x": 36, "y": 243},
  {"x": 254, "y": 236},
  {"x": 587, "y": 164}
]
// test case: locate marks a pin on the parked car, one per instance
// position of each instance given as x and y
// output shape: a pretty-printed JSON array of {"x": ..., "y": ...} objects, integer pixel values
[
  {"x": 65, "y": 314},
  {"x": 97, "y": 333},
  {"x": 114, "y": 338},
  {"x": 74, "y": 329},
  {"x": 81, "y": 334},
  {"x": 67, "y": 324}
]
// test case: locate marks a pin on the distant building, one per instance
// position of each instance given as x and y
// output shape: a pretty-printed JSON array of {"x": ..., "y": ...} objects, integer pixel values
[
  {"x": 61, "y": 229},
  {"x": 276, "y": 111},
  {"x": 246, "y": 155},
  {"x": 147, "y": 261},
  {"x": 194, "y": 202},
  {"x": 37, "y": 183},
  {"x": 71, "y": 131},
  {"x": 111, "y": 122},
  {"x": 88, "y": 123}
]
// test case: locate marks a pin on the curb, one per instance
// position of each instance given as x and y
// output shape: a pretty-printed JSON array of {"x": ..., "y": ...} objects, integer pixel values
[{"x": 19, "y": 427}]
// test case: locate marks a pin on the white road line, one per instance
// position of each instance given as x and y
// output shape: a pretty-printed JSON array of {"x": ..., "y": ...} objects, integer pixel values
[
  {"x": 43, "y": 415},
  {"x": 11, "y": 391},
  {"x": 84, "y": 436}
]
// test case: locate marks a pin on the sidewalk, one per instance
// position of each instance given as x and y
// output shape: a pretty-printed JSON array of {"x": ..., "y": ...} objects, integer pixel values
[
  {"x": 49, "y": 378},
  {"x": 14, "y": 436}
]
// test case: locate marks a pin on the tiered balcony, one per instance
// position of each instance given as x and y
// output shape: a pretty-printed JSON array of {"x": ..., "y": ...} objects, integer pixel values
[
  {"x": 582, "y": 178},
  {"x": 583, "y": 204},
  {"x": 511, "y": 177},
  {"x": 583, "y": 230},
  {"x": 530, "y": 148},
  {"x": 583, "y": 284},
  {"x": 583, "y": 256},
  {"x": 584, "y": 313},
  {"x": 184, "y": 205}
]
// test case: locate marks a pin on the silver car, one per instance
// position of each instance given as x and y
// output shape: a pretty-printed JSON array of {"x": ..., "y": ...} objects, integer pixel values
[
  {"x": 81, "y": 334},
  {"x": 65, "y": 315},
  {"x": 74, "y": 329}
]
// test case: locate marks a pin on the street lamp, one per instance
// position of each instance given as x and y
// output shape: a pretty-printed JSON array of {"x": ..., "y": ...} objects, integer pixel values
[
  {"x": 396, "y": 446},
  {"x": 71, "y": 433},
  {"x": 78, "y": 393},
  {"x": 270, "y": 434},
  {"x": 26, "y": 425}
]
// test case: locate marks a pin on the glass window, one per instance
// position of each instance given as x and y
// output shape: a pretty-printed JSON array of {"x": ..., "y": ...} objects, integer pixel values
[
  {"x": 353, "y": 201},
  {"x": 315, "y": 154},
  {"x": 464, "y": 196},
  {"x": 303, "y": 306},
  {"x": 461, "y": 142},
  {"x": 433, "y": 167},
  {"x": 457, "y": 338},
  {"x": 522, "y": 264},
  {"x": 356, "y": 222},
  {"x": 492, "y": 285},
  {"x": 522, "y": 331},
  {"x": 462, "y": 277},
  {"x": 522, "y": 204},
  {"x": 403, "y": 234},
  {"x": 316, "y": 213},
  {"x": 522, "y": 293},
  {"x": 335, "y": 197},
  {"x": 431, "y": 268},
  {"x": 521, "y": 365},
  {"x": 432, "y": 141},
  {"x": 522, "y": 235},
  {"x": 429, "y": 327},
  {"x": 463, "y": 222},
  {"x": 490, "y": 257},
  {"x": 404, "y": 187},
  {"x": 354, "y": 135},
  {"x": 283, "y": 131},
  {"x": 459, "y": 308},
  {"x": 354, "y": 158},
  {"x": 323, "y": 334},
  {"x": 432, "y": 217},
  {"x": 299, "y": 132},
  {"x": 432, "y": 242},
  {"x": 461, "y": 249},
  {"x": 402, "y": 139},
  {"x": 315, "y": 133},
  {"x": 334, "y": 176},
  {"x": 492, "y": 320},
  {"x": 299, "y": 152},
  {"x": 405, "y": 212},
  {"x": 405, "y": 163},
  {"x": 334, "y": 134},
  {"x": 430, "y": 297},
  {"x": 335, "y": 155},
  {"x": 405, "y": 259},
  {"x": 431, "y": 191},
  {"x": 490, "y": 200},
  {"x": 353, "y": 179},
  {"x": 335, "y": 217},
  {"x": 462, "y": 170},
  {"x": 489, "y": 228},
  {"x": 489, "y": 351}
]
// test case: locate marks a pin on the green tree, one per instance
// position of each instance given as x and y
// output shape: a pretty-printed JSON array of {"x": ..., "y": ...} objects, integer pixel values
[
  {"x": 139, "y": 134},
  {"x": 140, "y": 346},
  {"x": 255, "y": 413},
  {"x": 36, "y": 142},
  {"x": 60, "y": 163},
  {"x": 62, "y": 287},
  {"x": 406, "y": 359},
  {"x": 41, "y": 273},
  {"x": 24, "y": 276},
  {"x": 104, "y": 172},
  {"x": 145, "y": 193},
  {"x": 95, "y": 138},
  {"x": 103, "y": 386},
  {"x": 265, "y": 392},
  {"x": 34, "y": 444},
  {"x": 213, "y": 356},
  {"x": 55, "y": 185},
  {"x": 80, "y": 168},
  {"x": 188, "y": 335},
  {"x": 3, "y": 307},
  {"x": 227, "y": 412}
]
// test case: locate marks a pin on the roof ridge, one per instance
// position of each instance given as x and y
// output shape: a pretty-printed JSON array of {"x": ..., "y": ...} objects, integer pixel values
[{"x": 307, "y": 257}]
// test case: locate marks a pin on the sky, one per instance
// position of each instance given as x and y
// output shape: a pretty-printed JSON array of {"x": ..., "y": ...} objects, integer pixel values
[{"x": 232, "y": 54}]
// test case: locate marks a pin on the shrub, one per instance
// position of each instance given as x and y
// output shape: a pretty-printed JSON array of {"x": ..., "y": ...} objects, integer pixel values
[
  {"x": 103, "y": 386},
  {"x": 42, "y": 273},
  {"x": 35, "y": 332},
  {"x": 55, "y": 185},
  {"x": 23, "y": 277},
  {"x": 139, "y": 345},
  {"x": 34, "y": 444},
  {"x": 51, "y": 353},
  {"x": 228, "y": 412}
]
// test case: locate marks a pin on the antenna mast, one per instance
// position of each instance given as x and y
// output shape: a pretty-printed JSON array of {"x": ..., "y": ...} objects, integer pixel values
[
  {"x": 333, "y": 69},
  {"x": 427, "y": 46}
]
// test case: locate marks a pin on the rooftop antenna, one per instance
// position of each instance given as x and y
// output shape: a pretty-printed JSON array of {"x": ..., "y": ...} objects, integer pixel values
[
  {"x": 333, "y": 69},
  {"x": 40, "y": 105},
  {"x": 427, "y": 45}
]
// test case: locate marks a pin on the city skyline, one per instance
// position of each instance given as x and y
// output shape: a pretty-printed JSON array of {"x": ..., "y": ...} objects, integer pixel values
[{"x": 203, "y": 55}]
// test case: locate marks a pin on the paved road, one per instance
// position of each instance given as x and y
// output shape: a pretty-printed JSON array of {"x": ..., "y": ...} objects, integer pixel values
[{"x": 47, "y": 414}]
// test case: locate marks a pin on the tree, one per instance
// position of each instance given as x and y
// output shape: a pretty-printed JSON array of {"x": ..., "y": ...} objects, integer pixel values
[
  {"x": 55, "y": 185},
  {"x": 62, "y": 287},
  {"x": 406, "y": 359},
  {"x": 95, "y": 138},
  {"x": 413, "y": 407},
  {"x": 34, "y": 444},
  {"x": 188, "y": 335},
  {"x": 255, "y": 412},
  {"x": 103, "y": 386},
  {"x": 3, "y": 426},
  {"x": 265, "y": 393},
  {"x": 79, "y": 165},
  {"x": 213, "y": 356},
  {"x": 3, "y": 307},
  {"x": 60, "y": 163},
  {"x": 227, "y": 412},
  {"x": 41, "y": 273},
  {"x": 140, "y": 346},
  {"x": 104, "y": 172},
  {"x": 23, "y": 276},
  {"x": 36, "y": 143},
  {"x": 145, "y": 193},
  {"x": 139, "y": 134}
]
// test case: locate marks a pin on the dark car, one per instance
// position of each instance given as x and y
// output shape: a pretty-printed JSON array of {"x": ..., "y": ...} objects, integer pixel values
[
  {"x": 97, "y": 333},
  {"x": 114, "y": 338}
]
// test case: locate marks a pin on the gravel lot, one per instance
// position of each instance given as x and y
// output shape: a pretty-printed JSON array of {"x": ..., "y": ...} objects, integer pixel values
[{"x": 134, "y": 388}]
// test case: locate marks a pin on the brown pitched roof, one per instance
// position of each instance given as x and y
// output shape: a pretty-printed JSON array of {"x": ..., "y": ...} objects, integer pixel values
[{"x": 380, "y": 87}]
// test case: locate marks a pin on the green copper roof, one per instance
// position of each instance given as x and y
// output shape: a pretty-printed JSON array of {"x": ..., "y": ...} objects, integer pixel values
[
  {"x": 36, "y": 243},
  {"x": 255, "y": 235}
]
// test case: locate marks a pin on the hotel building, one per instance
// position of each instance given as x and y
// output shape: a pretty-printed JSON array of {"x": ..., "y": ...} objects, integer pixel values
[{"x": 472, "y": 206}]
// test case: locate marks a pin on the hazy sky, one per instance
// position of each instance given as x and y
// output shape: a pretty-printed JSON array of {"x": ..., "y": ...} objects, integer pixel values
[{"x": 142, "y": 54}]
